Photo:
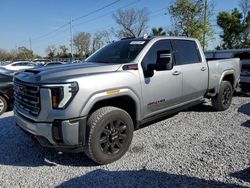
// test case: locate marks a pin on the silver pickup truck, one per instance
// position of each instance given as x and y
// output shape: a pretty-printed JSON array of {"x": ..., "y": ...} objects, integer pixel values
[{"x": 95, "y": 107}]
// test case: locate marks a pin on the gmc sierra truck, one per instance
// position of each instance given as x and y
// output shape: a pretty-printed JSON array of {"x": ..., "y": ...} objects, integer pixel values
[{"x": 94, "y": 107}]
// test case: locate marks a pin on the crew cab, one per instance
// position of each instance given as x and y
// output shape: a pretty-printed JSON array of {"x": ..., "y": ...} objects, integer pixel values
[{"x": 95, "y": 107}]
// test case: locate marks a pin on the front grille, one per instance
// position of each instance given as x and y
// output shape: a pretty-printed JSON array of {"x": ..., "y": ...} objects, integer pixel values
[
  {"x": 245, "y": 66},
  {"x": 27, "y": 97}
]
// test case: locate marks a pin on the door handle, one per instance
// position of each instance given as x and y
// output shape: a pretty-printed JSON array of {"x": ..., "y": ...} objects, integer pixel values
[
  {"x": 175, "y": 73},
  {"x": 203, "y": 68}
]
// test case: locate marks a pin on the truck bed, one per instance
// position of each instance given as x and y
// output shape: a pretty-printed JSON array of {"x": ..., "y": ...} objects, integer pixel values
[{"x": 218, "y": 68}]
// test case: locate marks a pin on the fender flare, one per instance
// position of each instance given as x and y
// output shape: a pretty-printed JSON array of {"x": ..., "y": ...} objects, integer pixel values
[
  {"x": 225, "y": 73},
  {"x": 97, "y": 97}
]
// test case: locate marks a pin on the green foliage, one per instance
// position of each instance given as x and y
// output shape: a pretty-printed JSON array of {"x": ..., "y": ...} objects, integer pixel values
[
  {"x": 235, "y": 29},
  {"x": 188, "y": 19},
  {"x": 158, "y": 31}
]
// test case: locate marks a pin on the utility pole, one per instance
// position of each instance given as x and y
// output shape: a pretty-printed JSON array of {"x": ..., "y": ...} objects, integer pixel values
[
  {"x": 204, "y": 26},
  {"x": 71, "y": 37},
  {"x": 30, "y": 44}
]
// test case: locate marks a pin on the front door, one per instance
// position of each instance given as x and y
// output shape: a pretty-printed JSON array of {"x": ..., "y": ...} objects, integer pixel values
[{"x": 164, "y": 89}]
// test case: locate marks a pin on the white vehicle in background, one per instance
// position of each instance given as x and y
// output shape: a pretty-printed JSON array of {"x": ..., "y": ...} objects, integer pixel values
[
  {"x": 41, "y": 61},
  {"x": 76, "y": 61},
  {"x": 19, "y": 66},
  {"x": 2, "y": 63}
]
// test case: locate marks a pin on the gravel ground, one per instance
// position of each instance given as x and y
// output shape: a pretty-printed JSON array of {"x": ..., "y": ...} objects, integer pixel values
[{"x": 195, "y": 148}]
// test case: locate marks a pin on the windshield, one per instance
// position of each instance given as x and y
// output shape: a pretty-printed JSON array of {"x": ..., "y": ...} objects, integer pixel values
[{"x": 120, "y": 52}]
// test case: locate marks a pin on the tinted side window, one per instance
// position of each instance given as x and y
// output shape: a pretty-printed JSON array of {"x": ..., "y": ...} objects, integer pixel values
[
  {"x": 17, "y": 64},
  {"x": 30, "y": 64},
  {"x": 151, "y": 56},
  {"x": 186, "y": 52}
]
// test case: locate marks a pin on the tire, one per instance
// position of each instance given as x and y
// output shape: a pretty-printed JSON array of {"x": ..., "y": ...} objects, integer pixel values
[
  {"x": 223, "y": 99},
  {"x": 110, "y": 132},
  {"x": 3, "y": 105}
]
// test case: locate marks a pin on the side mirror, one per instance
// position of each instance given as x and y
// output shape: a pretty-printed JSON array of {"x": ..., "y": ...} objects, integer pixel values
[{"x": 163, "y": 62}]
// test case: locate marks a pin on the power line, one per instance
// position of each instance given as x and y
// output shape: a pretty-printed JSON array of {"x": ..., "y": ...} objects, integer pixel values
[
  {"x": 158, "y": 10},
  {"x": 55, "y": 35},
  {"x": 97, "y": 10},
  {"x": 51, "y": 32},
  {"x": 106, "y": 14},
  {"x": 68, "y": 23},
  {"x": 151, "y": 15}
]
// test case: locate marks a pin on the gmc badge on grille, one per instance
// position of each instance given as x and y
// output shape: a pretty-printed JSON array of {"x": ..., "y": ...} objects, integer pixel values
[{"x": 19, "y": 89}]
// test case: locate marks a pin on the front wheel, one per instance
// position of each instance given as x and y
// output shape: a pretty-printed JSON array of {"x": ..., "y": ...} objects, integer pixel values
[
  {"x": 223, "y": 99},
  {"x": 3, "y": 105},
  {"x": 110, "y": 134}
]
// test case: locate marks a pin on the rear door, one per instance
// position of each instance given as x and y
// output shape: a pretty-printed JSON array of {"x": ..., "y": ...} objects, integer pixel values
[{"x": 194, "y": 71}]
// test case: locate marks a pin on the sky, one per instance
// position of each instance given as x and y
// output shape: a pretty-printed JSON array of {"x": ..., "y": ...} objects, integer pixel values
[{"x": 39, "y": 23}]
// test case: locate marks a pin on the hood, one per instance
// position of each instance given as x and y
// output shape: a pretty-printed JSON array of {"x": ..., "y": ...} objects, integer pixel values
[{"x": 60, "y": 73}]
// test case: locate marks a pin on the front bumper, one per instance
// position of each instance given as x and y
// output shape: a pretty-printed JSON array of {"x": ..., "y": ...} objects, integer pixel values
[{"x": 63, "y": 135}]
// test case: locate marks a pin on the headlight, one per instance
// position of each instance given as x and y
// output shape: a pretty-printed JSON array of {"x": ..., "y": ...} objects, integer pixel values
[{"x": 62, "y": 94}]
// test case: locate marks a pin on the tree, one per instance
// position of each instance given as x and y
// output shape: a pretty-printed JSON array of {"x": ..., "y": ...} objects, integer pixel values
[
  {"x": 132, "y": 22},
  {"x": 234, "y": 29},
  {"x": 24, "y": 53},
  {"x": 100, "y": 38},
  {"x": 63, "y": 51},
  {"x": 188, "y": 19},
  {"x": 51, "y": 51},
  {"x": 4, "y": 55},
  {"x": 244, "y": 6},
  {"x": 158, "y": 31},
  {"x": 82, "y": 43}
]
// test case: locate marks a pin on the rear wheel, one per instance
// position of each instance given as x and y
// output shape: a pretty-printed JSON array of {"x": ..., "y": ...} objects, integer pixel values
[
  {"x": 3, "y": 105},
  {"x": 223, "y": 99},
  {"x": 110, "y": 134}
]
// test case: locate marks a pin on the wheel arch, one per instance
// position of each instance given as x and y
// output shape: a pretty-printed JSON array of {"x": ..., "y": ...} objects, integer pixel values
[
  {"x": 6, "y": 99},
  {"x": 228, "y": 75},
  {"x": 125, "y": 100}
]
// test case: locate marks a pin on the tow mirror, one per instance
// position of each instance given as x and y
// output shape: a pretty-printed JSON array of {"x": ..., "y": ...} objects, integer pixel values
[{"x": 163, "y": 62}]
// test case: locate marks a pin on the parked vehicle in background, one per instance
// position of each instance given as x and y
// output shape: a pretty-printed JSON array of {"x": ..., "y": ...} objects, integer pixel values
[
  {"x": 76, "y": 61},
  {"x": 6, "y": 91},
  {"x": 95, "y": 106},
  {"x": 19, "y": 66},
  {"x": 41, "y": 61},
  {"x": 3, "y": 63},
  {"x": 244, "y": 55},
  {"x": 55, "y": 63}
]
